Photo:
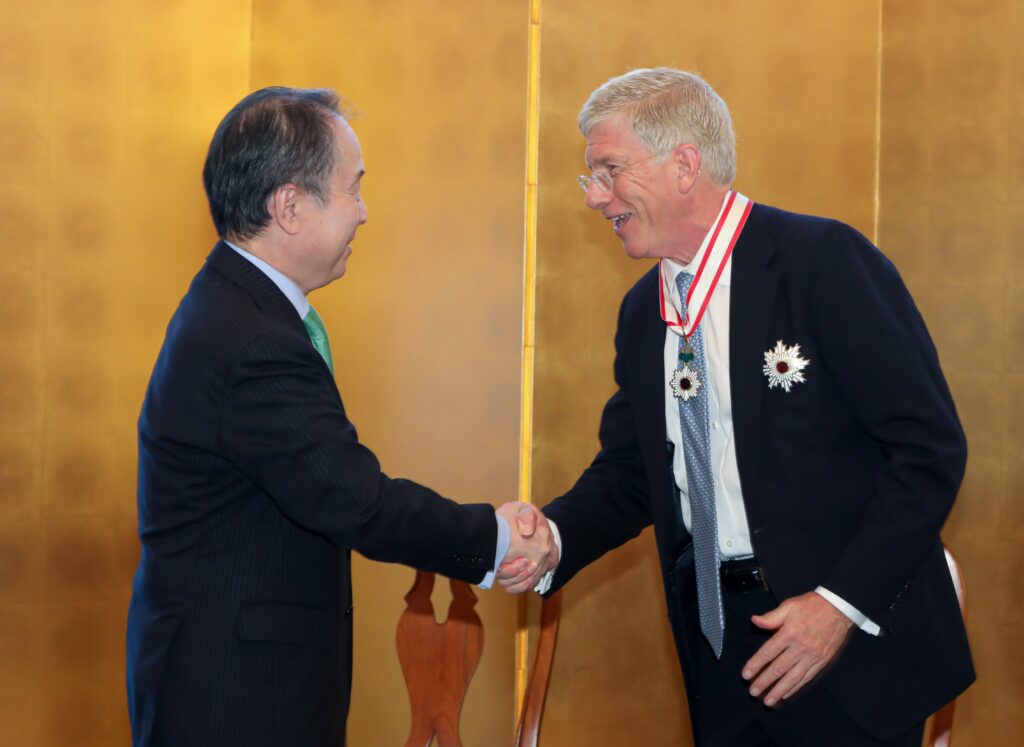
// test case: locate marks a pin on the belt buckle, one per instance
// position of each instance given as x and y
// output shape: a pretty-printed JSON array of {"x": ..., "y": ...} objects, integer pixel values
[{"x": 745, "y": 580}]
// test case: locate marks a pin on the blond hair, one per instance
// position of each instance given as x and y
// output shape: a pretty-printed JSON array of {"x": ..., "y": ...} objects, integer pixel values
[{"x": 667, "y": 108}]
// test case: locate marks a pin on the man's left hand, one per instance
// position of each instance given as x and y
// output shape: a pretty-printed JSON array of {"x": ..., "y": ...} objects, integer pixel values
[{"x": 809, "y": 632}]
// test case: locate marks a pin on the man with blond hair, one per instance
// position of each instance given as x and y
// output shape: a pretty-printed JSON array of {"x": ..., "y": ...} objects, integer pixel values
[{"x": 782, "y": 420}]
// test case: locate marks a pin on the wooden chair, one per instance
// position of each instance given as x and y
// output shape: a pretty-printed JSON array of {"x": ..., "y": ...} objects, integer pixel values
[
  {"x": 439, "y": 659},
  {"x": 939, "y": 729},
  {"x": 540, "y": 674}
]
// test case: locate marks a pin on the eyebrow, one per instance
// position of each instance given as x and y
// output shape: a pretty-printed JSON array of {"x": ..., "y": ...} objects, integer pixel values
[
  {"x": 360, "y": 175},
  {"x": 604, "y": 160}
]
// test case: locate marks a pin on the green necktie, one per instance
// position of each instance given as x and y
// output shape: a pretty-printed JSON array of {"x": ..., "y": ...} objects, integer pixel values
[{"x": 318, "y": 335}]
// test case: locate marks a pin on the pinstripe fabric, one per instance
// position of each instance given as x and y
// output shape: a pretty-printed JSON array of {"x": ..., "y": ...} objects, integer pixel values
[{"x": 252, "y": 489}]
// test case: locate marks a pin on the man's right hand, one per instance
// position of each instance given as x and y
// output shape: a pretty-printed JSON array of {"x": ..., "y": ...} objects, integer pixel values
[{"x": 532, "y": 551}]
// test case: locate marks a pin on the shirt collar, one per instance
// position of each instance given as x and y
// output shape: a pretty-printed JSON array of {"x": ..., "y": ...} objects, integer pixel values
[
  {"x": 284, "y": 283},
  {"x": 674, "y": 268}
]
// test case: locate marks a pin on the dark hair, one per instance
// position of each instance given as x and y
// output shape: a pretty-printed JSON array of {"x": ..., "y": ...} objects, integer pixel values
[{"x": 271, "y": 137}]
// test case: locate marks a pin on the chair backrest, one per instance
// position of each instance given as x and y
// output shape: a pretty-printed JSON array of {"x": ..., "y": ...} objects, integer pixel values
[
  {"x": 540, "y": 674},
  {"x": 939, "y": 730},
  {"x": 438, "y": 660}
]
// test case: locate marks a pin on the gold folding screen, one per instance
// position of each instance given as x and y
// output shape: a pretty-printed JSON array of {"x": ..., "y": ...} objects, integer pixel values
[
  {"x": 952, "y": 214},
  {"x": 105, "y": 112}
]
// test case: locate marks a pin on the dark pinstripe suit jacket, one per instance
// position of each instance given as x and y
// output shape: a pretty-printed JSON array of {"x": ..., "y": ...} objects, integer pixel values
[
  {"x": 252, "y": 489},
  {"x": 846, "y": 479}
]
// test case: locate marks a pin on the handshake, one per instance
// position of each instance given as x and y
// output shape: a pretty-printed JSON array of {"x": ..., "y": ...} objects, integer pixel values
[{"x": 532, "y": 551}]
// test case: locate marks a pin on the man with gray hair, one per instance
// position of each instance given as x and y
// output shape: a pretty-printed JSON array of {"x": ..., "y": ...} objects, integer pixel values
[{"x": 782, "y": 420}]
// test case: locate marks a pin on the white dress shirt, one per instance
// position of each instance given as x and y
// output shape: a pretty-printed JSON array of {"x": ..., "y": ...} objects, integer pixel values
[{"x": 733, "y": 532}]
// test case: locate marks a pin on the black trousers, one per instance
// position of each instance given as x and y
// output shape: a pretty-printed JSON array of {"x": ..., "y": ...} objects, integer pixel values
[{"x": 724, "y": 714}]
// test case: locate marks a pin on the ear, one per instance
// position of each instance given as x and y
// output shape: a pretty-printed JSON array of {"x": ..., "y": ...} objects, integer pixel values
[
  {"x": 284, "y": 209},
  {"x": 687, "y": 160}
]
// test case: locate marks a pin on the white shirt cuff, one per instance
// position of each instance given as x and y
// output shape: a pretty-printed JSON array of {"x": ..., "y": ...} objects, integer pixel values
[
  {"x": 545, "y": 581},
  {"x": 500, "y": 550},
  {"x": 857, "y": 617}
]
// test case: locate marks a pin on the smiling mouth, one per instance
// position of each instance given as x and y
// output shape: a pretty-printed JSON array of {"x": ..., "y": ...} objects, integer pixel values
[{"x": 618, "y": 221}]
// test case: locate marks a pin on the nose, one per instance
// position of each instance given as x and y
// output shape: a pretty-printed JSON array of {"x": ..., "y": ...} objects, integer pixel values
[
  {"x": 363, "y": 215},
  {"x": 596, "y": 198}
]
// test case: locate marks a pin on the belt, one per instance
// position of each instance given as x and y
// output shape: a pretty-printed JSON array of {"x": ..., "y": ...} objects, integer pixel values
[{"x": 742, "y": 576}]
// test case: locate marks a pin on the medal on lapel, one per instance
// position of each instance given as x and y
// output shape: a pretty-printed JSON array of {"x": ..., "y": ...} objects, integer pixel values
[{"x": 784, "y": 366}]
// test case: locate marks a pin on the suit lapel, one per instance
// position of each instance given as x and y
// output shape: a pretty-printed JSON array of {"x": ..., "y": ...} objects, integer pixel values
[
  {"x": 647, "y": 396},
  {"x": 266, "y": 295},
  {"x": 752, "y": 298},
  {"x": 247, "y": 276}
]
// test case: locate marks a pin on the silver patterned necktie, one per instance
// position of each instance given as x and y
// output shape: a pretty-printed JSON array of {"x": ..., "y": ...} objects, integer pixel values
[
  {"x": 694, "y": 418},
  {"x": 318, "y": 336}
]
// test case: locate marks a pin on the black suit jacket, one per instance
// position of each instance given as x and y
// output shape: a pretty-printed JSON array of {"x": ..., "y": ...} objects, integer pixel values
[
  {"x": 252, "y": 489},
  {"x": 847, "y": 479}
]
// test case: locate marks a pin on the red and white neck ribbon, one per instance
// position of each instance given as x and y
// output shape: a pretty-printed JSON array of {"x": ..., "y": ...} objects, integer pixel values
[{"x": 717, "y": 250}]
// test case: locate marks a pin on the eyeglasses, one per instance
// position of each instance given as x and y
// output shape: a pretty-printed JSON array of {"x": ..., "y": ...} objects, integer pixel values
[
  {"x": 602, "y": 179},
  {"x": 605, "y": 180}
]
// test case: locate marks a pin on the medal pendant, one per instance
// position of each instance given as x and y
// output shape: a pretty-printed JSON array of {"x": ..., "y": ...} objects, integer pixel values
[
  {"x": 686, "y": 351},
  {"x": 685, "y": 382}
]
